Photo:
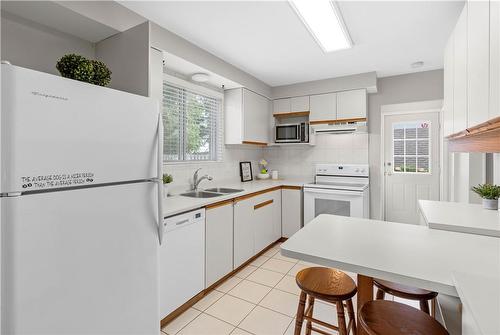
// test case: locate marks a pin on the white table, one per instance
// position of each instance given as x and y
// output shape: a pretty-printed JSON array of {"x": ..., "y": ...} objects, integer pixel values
[
  {"x": 407, "y": 254},
  {"x": 460, "y": 217}
]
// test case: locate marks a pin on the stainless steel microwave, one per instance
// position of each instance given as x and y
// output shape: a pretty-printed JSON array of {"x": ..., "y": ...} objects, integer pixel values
[{"x": 292, "y": 133}]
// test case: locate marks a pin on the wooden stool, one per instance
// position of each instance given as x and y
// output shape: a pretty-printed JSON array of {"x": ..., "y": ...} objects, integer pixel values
[
  {"x": 406, "y": 292},
  {"x": 382, "y": 317},
  {"x": 329, "y": 285}
]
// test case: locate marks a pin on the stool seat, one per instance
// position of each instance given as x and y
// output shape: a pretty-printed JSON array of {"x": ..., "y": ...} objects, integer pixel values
[
  {"x": 326, "y": 283},
  {"x": 382, "y": 317},
  {"x": 329, "y": 285},
  {"x": 403, "y": 291}
]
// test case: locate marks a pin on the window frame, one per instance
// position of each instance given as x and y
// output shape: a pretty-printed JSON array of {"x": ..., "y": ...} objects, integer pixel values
[
  {"x": 429, "y": 153},
  {"x": 219, "y": 131}
]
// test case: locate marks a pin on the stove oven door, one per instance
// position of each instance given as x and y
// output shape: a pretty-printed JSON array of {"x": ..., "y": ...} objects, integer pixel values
[{"x": 330, "y": 201}]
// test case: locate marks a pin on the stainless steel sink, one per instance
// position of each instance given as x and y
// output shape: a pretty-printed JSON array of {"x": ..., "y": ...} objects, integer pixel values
[
  {"x": 223, "y": 190},
  {"x": 201, "y": 194}
]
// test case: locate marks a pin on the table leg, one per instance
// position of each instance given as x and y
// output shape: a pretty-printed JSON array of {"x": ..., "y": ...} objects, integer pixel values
[{"x": 365, "y": 293}]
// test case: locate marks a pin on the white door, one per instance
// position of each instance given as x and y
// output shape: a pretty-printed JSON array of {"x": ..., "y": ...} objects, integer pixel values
[
  {"x": 81, "y": 261},
  {"x": 411, "y": 149}
]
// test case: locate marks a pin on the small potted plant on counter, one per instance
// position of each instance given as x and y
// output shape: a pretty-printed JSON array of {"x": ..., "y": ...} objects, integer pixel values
[
  {"x": 167, "y": 179},
  {"x": 489, "y": 193},
  {"x": 263, "y": 173}
]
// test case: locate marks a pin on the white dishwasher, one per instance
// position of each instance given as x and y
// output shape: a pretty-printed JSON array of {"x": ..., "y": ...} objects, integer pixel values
[{"x": 182, "y": 260}]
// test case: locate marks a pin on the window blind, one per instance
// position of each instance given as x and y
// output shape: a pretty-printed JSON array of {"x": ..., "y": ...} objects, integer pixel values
[{"x": 192, "y": 125}]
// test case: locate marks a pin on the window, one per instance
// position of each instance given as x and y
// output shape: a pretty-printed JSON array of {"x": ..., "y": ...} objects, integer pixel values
[
  {"x": 192, "y": 125},
  {"x": 411, "y": 147}
]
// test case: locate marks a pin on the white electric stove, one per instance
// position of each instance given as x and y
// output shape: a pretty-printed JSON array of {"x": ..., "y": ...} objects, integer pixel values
[{"x": 338, "y": 189}]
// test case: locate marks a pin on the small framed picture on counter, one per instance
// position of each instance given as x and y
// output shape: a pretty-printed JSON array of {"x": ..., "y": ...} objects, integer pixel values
[{"x": 246, "y": 171}]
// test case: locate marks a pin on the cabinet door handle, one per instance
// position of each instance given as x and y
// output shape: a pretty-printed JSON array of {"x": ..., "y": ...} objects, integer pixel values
[{"x": 262, "y": 204}]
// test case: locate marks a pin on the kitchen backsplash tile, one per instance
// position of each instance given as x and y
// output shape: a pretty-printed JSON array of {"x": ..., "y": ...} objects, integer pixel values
[
  {"x": 299, "y": 161},
  {"x": 228, "y": 169},
  {"x": 293, "y": 161}
]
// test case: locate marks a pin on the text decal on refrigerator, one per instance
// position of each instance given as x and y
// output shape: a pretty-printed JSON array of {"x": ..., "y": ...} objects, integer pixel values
[{"x": 57, "y": 180}]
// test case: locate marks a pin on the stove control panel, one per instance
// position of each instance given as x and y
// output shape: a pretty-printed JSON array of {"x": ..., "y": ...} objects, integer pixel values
[{"x": 354, "y": 170}]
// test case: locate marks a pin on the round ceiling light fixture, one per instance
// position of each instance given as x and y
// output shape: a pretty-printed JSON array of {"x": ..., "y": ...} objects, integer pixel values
[
  {"x": 416, "y": 65},
  {"x": 200, "y": 77}
]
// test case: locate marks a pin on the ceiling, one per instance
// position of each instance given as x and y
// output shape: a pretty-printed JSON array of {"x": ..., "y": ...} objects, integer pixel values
[{"x": 269, "y": 41}]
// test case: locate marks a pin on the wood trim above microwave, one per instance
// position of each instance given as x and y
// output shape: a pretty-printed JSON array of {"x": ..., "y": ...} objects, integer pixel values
[
  {"x": 291, "y": 114},
  {"x": 262, "y": 144}
]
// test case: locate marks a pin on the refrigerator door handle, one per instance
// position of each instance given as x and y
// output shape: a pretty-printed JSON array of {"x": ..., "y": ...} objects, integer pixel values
[{"x": 160, "y": 178}]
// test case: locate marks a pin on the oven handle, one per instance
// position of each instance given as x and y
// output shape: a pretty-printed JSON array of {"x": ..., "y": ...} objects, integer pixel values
[{"x": 332, "y": 191}]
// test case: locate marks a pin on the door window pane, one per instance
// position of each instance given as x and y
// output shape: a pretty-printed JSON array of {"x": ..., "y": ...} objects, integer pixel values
[{"x": 411, "y": 147}]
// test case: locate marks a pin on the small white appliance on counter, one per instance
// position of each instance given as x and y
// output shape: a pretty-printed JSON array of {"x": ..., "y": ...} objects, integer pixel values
[
  {"x": 182, "y": 260},
  {"x": 338, "y": 189},
  {"x": 80, "y": 200}
]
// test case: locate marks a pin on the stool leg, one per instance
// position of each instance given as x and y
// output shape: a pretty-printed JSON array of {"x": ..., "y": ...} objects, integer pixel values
[
  {"x": 308, "y": 322},
  {"x": 424, "y": 306},
  {"x": 350, "y": 312},
  {"x": 433, "y": 307},
  {"x": 300, "y": 313},
  {"x": 380, "y": 294},
  {"x": 341, "y": 318}
]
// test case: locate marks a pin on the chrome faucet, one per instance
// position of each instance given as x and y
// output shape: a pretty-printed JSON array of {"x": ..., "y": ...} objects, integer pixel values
[{"x": 197, "y": 181}]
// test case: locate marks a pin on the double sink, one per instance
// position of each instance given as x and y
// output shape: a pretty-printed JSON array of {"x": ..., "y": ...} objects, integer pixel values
[{"x": 211, "y": 192}]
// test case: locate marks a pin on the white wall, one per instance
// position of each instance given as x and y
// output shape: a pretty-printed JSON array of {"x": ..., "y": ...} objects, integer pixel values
[
  {"x": 363, "y": 80},
  {"x": 405, "y": 88},
  {"x": 127, "y": 56},
  {"x": 32, "y": 45}
]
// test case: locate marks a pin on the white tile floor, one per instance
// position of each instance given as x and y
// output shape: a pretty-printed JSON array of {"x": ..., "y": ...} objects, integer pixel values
[{"x": 261, "y": 299}]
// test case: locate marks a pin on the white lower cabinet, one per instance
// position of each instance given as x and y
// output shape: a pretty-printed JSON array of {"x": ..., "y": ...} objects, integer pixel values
[
  {"x": 267, "y": 213},
  {"x": 219, "y": 242},
  {"x": 291, "y": 210},
  {"x": 257, "y": 224}
]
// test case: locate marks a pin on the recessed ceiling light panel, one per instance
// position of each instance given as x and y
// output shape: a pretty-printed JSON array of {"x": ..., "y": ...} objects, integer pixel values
[{"x": 323, "y": 19}]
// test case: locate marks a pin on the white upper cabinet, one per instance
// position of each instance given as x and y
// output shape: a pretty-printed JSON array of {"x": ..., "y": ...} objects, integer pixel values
[
  {"x": 256, "y": 117},
  {"x": 460, "y": 74},
  {"x": 478, "y": 42},
  {"x": 299, "y": 104},
  {"x": 494, "y": 109},
  {"x": 351, "y": 104},
  {"x": 247, "y": 117},
  {"x": 323, "y": 107},
  {"x": 287, "y": 105},
  {"x": 281, "y": 106},
  {"x": 448, "y": 88}
]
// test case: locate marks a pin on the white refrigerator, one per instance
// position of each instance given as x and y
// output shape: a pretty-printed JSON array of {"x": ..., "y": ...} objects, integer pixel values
[{"x": 80, "y": 207}]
